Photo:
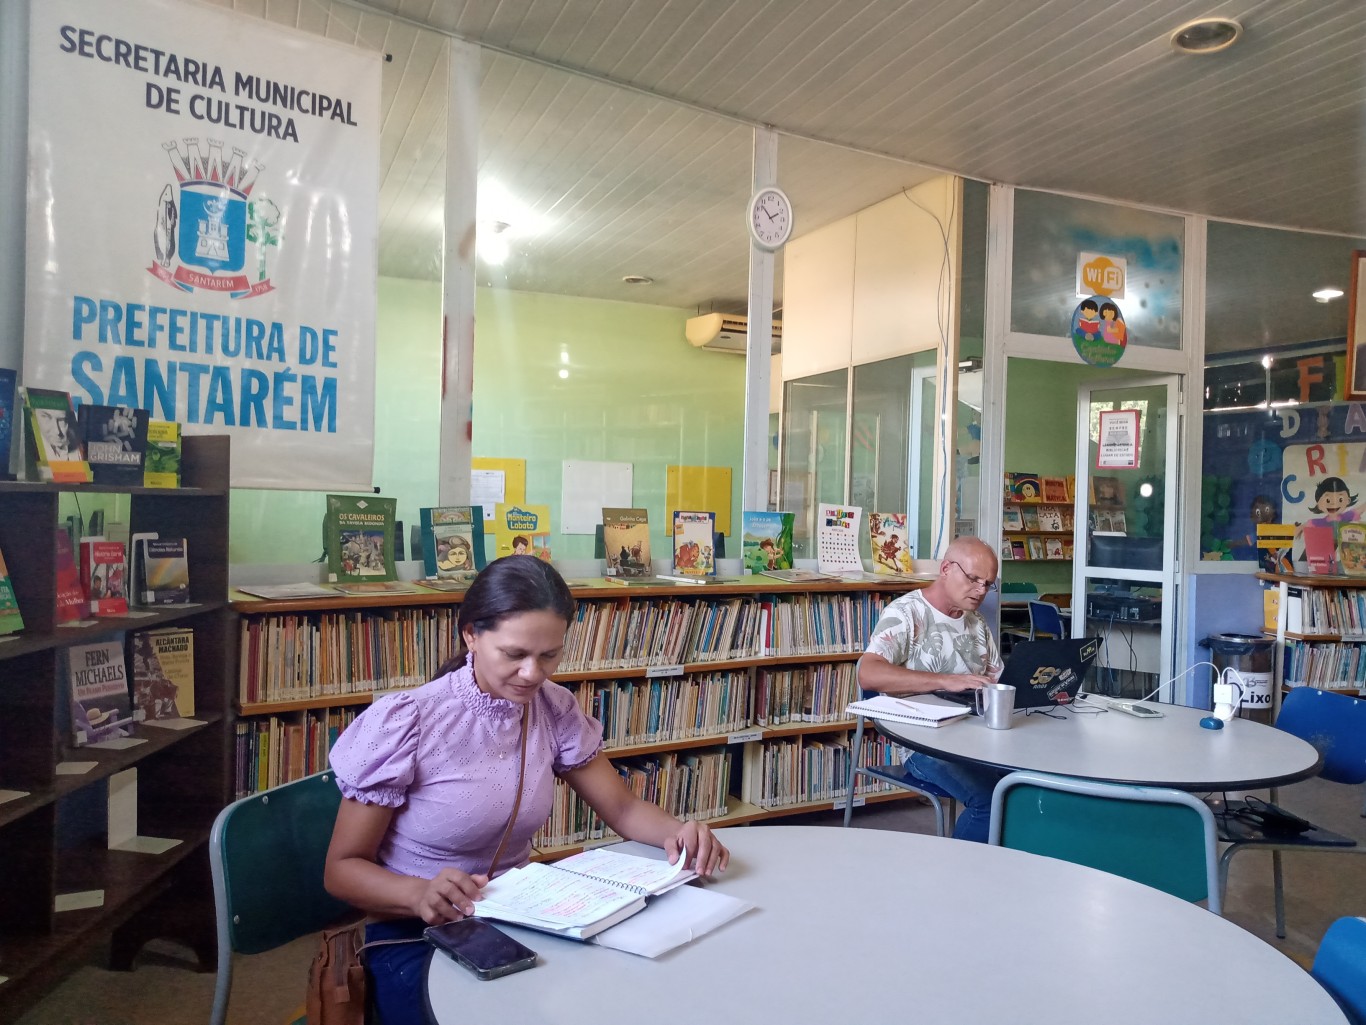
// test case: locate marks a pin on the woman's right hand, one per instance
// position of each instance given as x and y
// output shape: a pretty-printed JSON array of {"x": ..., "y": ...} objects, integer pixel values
[{"x": 449, "y": 896}]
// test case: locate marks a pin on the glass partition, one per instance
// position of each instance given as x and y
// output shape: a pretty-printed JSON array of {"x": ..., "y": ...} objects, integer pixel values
[
  {"x": 814, "y": 426},
  {"x": 1051, "y": 233}
]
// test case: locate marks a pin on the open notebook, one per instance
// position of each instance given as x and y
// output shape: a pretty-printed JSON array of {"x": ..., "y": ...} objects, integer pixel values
[{"x": 922, "y": 709}]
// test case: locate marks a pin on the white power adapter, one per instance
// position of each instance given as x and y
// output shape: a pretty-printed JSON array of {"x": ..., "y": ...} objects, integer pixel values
[{"x": 1227, "y": 694}]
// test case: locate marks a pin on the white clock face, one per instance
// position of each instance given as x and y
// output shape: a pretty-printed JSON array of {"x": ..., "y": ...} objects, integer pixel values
[{"x": 770, "y": 218}]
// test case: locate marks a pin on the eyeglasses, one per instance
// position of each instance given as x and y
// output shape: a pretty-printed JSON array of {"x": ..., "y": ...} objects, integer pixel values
[{"x": 986, "y": 585}]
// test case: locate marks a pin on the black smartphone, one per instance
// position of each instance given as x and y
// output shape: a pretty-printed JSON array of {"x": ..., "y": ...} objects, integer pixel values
[{"x": 484, "y": 949}]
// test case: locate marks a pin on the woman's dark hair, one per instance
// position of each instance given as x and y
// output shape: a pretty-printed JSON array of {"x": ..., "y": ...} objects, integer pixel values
[{"x": 508, "y": 587}]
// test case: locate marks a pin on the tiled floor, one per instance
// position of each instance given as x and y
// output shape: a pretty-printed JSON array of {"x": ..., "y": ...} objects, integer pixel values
[{"x": 268, "y": 988}]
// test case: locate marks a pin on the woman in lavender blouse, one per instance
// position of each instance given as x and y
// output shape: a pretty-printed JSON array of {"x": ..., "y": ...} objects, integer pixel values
[{"x": 429, "y": 778}]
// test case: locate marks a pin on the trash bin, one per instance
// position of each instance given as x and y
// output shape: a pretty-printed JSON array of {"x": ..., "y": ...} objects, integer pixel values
[{"x": 1249, "y": 655}]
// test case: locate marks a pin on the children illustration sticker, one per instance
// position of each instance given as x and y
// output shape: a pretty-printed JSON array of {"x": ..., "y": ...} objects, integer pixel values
[{"x": 1098, "y": 331}]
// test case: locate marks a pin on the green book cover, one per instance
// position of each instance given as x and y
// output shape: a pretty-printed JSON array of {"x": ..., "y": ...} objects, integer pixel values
[
  {"x": 359, "y": 536},
  {"x": 452, "y": 541},
  {"x": 767, "y": 540},
  {"x": 10, "y": 619}
]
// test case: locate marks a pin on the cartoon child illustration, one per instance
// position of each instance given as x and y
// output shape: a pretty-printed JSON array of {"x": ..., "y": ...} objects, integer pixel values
[
  {"x": 1088, "y": 320},
  {"x": 1111, "y": 327},
  {"x": 1333, "y": 502},
  {"x": 520, "y": 545},
  {"x": 769, "y": 552}
]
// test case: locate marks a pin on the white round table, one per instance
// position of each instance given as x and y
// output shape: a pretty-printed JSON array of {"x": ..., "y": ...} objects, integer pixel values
[
  {"x": 857, "y": 922},
  {"x": 1173, "y": 751}
]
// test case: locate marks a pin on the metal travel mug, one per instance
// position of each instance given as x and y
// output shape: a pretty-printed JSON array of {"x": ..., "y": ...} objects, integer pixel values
[{"x": 995, "y": 703}]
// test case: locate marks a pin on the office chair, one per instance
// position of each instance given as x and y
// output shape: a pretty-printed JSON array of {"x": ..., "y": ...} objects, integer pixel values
[
  {"x": 1335, "y": 724},
  {"x": 1161, "y": 838},
  {"x": 1045, "y": 620},
  {"x": 897, "y": 776},
  {"x": 1340, "y": 966},
  {"x": 266, "y": 855}
]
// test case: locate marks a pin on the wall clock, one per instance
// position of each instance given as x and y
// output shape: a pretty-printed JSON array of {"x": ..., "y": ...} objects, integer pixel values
[{"x": 770, "y": 217}]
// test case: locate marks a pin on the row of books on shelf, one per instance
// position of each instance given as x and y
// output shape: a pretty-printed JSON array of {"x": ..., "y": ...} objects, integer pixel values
[
  {"x": 274, "y": 750},
  {"x": 1326, "y": 665},
  {"x": 143, "y": 677},
  {"x": 1025, "y": 548},
  {"x": 334, "y": 654},
  {"x": 55, "y": 440},
  {"x": 1334, "y": 548},
  {"x": 1047, "y": 518},
  {"x": 98, "y": 582},
  {"x": 1024, "y": 487},
  {"x": 796, "y": 770},
  {"x": 710, "y": 704},
  {"x": 1320, "y": 610}
]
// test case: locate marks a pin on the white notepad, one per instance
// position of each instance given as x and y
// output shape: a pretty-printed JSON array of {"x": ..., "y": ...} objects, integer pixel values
[{"x": 922, "y": 710}]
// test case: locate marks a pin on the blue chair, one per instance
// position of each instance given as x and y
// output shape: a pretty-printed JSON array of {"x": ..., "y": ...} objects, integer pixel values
[
  {"x": 1161, "y": 838},
  {"x": 1045, "y": 620},
  {"x": 266, "y": 855},
  {"x": 1335, "y": 724},
  {"x": 1340, "y": 966},
  {"x": 944, "y": 804}
]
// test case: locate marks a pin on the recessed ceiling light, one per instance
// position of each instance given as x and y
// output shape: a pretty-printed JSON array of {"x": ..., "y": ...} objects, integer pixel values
[
  {"x": 1206, "y": 35},
  {"x": 1324, "y": 295},
  {"x": 638, "y": 279}
]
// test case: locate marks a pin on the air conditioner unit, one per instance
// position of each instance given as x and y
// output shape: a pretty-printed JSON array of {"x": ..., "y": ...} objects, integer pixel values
[{"x": 725, "y": 332}]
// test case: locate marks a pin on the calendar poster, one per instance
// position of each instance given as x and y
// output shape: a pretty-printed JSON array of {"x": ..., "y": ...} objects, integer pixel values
[{"x": 837, "y": 534}]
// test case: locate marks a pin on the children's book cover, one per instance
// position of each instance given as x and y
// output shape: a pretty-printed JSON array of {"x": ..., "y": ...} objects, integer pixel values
[
  {"x": 1026, "y": 487},
  {"x": 1007, "y": 550},
  {"x": 1031, "y": 518},
  {"x": 55, "y": 434},
  {"x": 766, "y": 542},
  {"x": 1050, "y": 517},
  {"x": 1036, "y": 548},
  {"x": 161, "y": 466},
  {"x": 626, "y": 542},
  {"x": 115, "y": 443},
  {"x": 359, "y": 538},
  {"x": 97, "y": 682},
  {"x": 522, "y": 529},
  {"x": 1320, "y": 548},
  {"x": 1351, "y": 549},
  {"x": 1054, "y": 489},
  {"x": 889, "y": 544},
  {"x": 1012, "y": 518},
  {"x": 163, "y": 673},
  {"x": 452, "y": 541},
  {"x": 11, "y": 621},
  {"x": 1053, "y": 548},
  {"x": 694, "y": 543},
  {"x": 104, "y": 574}
]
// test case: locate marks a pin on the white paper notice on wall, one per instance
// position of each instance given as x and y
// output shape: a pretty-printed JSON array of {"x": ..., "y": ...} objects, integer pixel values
[
  {"x": 488, "y": 488},
  {"x": 588, "y": 487}
]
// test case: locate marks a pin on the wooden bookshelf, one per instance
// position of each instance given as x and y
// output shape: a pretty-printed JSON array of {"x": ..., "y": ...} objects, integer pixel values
[
  {"x": 824, "y": 626},
  {"x": 53, "y": 840}
]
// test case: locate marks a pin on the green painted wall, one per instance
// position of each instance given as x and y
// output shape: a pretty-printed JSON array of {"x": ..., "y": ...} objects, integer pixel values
[{"x": 635, "y": 392}]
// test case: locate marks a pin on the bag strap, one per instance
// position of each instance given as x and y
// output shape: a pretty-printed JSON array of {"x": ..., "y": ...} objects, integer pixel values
[{"x": 517, "y": 801}]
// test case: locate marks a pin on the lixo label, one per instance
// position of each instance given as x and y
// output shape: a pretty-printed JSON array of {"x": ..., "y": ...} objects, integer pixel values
[
  {"x": 1256, "y": 689},
  {"x": 657, "y": 671},
  {"x": 745, "y": 736}
]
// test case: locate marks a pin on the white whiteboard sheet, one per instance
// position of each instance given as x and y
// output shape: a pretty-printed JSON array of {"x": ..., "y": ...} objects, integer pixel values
[{"x": 586, "y": 487}]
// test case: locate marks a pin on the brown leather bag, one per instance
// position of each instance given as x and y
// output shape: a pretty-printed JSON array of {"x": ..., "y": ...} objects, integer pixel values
[{"x": 336, "y": 978}]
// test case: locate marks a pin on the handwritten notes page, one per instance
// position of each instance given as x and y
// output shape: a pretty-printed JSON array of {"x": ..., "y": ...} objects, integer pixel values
[
  {"x": 543, "y": 897},
  {"x": 642, "y": 875}
]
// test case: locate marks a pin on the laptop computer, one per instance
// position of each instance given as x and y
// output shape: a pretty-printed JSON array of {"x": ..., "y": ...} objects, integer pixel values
[{"x": 1043, "y": 673}]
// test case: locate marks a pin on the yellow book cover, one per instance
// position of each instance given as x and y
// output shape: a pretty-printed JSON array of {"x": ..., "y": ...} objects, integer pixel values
[
  {"x": 162, "y": 467},
  {"x": 522, "y": 529}
]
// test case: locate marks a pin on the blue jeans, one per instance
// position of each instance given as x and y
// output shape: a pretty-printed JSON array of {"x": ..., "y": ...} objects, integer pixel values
[
  {"x": 397, "y": 973},
  {"x": 970, "y": 784}
]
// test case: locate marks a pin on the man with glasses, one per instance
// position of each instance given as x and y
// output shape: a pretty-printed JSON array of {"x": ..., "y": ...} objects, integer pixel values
[{"x": 934, "y": 639}]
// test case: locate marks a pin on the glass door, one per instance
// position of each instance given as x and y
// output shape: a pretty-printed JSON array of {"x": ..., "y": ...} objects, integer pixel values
[{"x": 1125, "y": 534}]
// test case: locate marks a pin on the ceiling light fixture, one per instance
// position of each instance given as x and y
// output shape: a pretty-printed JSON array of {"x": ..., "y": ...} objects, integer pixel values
[
  {"x": 1206, "y": 35},
  {"x": 638, "y": 279},
  {"x": 1324, "y": 295}
]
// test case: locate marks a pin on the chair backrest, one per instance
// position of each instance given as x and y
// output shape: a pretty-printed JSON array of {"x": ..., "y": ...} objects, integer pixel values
[
  {"x": 1161, "y": 838},
  {"x": 1340, "y": 966},
  {"x": 1335, "y": 724},
  {"x": 266, "y": 853},
  {"x": 1044, "y": 618}
]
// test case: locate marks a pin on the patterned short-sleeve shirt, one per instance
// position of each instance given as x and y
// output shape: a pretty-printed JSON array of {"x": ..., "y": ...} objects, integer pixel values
[{"x": 914, "y": 634}]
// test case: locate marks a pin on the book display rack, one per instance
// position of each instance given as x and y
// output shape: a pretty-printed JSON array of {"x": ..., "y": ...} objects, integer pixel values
[
  {"x": 55, "y": 822},
  {"x": 727, "y": 706}
]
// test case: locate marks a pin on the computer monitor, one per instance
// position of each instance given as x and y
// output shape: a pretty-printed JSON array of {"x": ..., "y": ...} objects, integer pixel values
[{"x": 1123, "y": 552}]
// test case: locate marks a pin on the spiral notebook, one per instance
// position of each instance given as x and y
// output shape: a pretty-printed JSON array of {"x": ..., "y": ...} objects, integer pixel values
[{"x": 922, "y": 710}]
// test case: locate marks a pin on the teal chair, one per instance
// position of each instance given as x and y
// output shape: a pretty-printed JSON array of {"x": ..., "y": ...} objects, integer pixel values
[
  {"x": 266, "y": 853},
  {"x": 1340, "y": 966},
  {"x": 1161, "y": 838}
]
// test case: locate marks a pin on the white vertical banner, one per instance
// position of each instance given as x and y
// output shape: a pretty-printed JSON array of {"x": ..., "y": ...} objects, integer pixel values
[{"x": 202, "y": 239}]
